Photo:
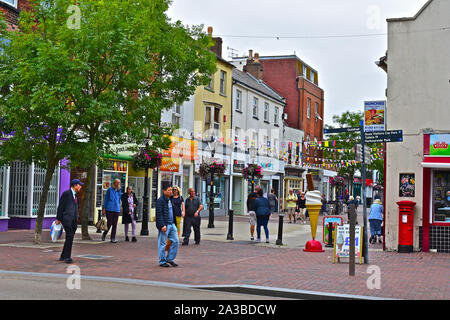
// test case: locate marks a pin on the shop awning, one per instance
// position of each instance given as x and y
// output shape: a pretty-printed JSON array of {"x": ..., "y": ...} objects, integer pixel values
[{"x": 436, "y": 162}]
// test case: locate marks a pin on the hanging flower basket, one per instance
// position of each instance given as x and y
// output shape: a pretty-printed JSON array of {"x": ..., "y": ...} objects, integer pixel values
[
  {"x": 252, "y": 170},
  {"x": 337, "y": 181},
  {"x": 147, "y": 158},
  {"x": 209, "y": 167}
]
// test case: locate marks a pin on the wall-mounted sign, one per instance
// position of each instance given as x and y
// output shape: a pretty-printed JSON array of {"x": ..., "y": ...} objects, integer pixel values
[
  {"x": 407, "y": 185},
  {"x": 439, "y": 144},
  {"x": 170, "y": 164},
  {"x": 374, "y": 116},
  {"x": 115, "y": 165}
]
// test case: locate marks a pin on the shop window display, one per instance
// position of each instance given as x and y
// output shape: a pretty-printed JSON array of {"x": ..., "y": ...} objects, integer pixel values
[{"x": 441, "y": 196}]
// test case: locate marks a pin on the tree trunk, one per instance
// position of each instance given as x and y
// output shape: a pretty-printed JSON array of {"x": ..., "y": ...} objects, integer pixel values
[
  {"x": 88, "y": 193},
  {"x": 42, "y": 202}
]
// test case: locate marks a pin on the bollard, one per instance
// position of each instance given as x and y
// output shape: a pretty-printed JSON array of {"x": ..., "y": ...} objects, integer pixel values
[
  {"x": 99, "y": 217},
  {"x": 230, "y": 225},
  {"x": 279, "y": 241},
  {"x": 330, "y": 235}
]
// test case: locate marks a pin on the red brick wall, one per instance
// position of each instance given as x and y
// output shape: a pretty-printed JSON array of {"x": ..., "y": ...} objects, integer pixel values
[{"x": 12, "y": 14}]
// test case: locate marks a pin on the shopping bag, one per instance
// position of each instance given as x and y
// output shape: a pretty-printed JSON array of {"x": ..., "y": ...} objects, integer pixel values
[
  {"x": 56, "y": 231},
  {"x": 102, "y": 224}
]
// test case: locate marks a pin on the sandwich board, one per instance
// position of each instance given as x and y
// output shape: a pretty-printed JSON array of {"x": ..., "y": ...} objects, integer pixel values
[{"x": 341, "y": 241}]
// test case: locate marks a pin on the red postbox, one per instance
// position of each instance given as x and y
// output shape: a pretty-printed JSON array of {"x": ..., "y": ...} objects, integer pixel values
[{"x": 405, "y": 226}]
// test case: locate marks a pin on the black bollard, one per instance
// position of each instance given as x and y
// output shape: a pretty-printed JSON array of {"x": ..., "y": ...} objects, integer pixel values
[
  {"x": 99, "y": 217},
  {"x": 279, "y": 241},
  {"x": 230, "y": 225},
  {"x": 330, "y": 235}
]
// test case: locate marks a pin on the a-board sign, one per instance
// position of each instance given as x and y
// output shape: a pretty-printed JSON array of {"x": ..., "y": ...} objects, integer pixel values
[
  {"x": 342, "y": 242},
  {"x": 335, "y": 220}
]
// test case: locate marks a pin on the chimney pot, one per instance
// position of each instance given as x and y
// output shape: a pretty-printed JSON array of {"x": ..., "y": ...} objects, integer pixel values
[
  {"x": 256, "y": 57},
  {"x": 210, "y": 30},
  {"x": 250, "y": 54}
]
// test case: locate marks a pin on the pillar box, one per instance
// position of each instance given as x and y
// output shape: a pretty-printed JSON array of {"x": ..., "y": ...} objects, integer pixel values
[{"x": 405, "y": 226}]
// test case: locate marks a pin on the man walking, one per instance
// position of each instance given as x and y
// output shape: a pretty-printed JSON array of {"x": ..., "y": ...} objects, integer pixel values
[
  {"x": 167, "y": 229},
  {"x": 67, "y": 214},
  {"x": 192, "y": 218},
  {"x": 251, "y": 211}
]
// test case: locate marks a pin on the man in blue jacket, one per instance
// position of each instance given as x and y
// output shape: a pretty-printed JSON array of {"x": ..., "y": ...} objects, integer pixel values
[
  {"x": 111, "y": 207},
  {"x": 167, "y": 229}
]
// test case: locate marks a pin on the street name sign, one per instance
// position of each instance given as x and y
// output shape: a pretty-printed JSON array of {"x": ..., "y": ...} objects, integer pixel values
[
  {"x": 341, "y": 130},
  {"x": 384, "y": 136}
]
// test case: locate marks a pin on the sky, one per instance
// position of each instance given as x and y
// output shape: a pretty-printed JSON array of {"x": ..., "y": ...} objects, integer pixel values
[{"x": 345, "y": 65}]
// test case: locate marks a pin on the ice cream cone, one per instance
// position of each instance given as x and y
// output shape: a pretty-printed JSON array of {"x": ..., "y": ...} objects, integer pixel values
[{"x": 313, "y": 211}]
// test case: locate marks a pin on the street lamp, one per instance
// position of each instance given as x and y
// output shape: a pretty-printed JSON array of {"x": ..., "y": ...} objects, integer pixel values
[
  {"x": 252, "y": 152},
  {"x": 212, "y": 145},
  {"x": 145, "y": 209}
]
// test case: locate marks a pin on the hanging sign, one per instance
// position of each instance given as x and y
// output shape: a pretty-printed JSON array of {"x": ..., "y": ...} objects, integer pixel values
[{"x": 374, "y": 119}]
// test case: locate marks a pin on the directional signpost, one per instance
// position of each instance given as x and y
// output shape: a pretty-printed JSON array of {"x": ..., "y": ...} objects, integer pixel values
[{"x": 384, "y": 136}]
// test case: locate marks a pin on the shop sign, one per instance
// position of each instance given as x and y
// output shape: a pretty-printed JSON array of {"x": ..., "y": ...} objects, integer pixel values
[
  {"x": 182, "y": 148},
  {"x": 170, "y": 164},
  {"x": 439, "y": 144},
  {"x": 342, "y": 242},
  {"x": 115, "y": 165},
  {"x": 238, "y": 166},
  {"x": 374, "y": 116}
]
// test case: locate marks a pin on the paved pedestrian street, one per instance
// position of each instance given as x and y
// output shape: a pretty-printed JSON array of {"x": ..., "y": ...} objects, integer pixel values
[{"x": 241, "y": 262}]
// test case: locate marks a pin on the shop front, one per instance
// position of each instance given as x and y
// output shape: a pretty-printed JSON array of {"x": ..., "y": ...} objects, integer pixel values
[
  {"x": 238, "y": 190},
  {"x": 293, "y": 179},
  {"x": 436, "y": 192}
]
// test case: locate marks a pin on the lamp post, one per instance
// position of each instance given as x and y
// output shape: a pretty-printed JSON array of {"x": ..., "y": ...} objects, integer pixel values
[
  {"x": 211, "y": 202},
  {"x": 144, "y": 225},
  {"x": 252, "y": 153}
]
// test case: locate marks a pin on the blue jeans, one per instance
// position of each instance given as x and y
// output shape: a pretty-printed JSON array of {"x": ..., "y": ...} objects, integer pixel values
[
  {"x": 172, "y": 235},
  {"x": 375, "y": 227},
  {"x": 262, "y": 221}
]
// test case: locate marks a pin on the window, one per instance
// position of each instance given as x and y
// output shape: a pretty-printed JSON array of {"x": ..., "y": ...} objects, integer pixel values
[
  {"x": 275, "y": 147},
  {"x": 223, "y": 77},
  {"x": 441, "y": 196},
  {"x": 176, "y": 119},
  {"x": 276, "y": 115},
  {"x": 308, "y": 138},
  {"x": 237, "y": 137},
  {"x": 238, "y": 100},
  {"x": 304, "y": 72},
  {"x": 308, "y": 108},
  {"x": 212, "y": 118},
  {"x": 266, "y": 112},
  {"x": 311, "y": 76},
  {"x": 10, "y": 2},
  {"x": 255, "y": 107}
]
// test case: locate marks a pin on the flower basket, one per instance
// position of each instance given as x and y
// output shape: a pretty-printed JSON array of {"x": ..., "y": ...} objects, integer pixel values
[
  {"x": 147, "y": 159},
  {"x": 209, "y": 167},
  {"x": 337, "y": 181},
  {"x": 252, "y": 170}
]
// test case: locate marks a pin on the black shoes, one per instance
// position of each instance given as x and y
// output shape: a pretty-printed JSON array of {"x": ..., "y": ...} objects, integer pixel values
[
  {"x": 173, "y": 264},
  {"x": 134, "y": 239},
  {"x": 164, "y": 265},
  {"x": 184, "y": 244},
  {"x": 127, "y": 239},
  {"x": 68, "y": 260},
  {"x": 103, "y": 236}
]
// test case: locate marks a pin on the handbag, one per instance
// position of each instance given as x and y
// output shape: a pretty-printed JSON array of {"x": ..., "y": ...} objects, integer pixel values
[{"x": 102, "y": 224}]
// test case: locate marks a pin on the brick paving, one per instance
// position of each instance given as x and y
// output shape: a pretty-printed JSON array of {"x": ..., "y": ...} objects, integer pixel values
[{"x": 403, "y": 276}]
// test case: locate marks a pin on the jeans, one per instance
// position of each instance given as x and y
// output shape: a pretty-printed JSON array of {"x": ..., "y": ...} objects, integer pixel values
[
  {"x": 262, "y": 221},
  {"x": 375, "y": 227},
  {"x": 172, "y": 235}
]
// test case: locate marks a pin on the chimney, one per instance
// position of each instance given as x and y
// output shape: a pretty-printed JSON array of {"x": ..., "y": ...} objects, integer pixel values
[
  {"x": 254, "y": 66},
  {"x": 217, "y": 47}
]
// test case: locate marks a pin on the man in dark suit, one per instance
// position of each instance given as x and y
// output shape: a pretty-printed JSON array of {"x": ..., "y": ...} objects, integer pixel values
[{"x": 68, "y": 215}]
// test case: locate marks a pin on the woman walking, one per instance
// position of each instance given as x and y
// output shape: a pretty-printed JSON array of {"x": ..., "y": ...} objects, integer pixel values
[
  {"x": 178, "y": 210},
  {"x": 129, "y": 215},
  {"x": 301, "y": 207},
  {"x": 111, "y": 207},
  {"x": 262, "y": 210},
  {"x": 375, "y": 220}
]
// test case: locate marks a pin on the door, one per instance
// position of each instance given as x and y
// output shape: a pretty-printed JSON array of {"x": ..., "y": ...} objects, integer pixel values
[{"x": 238, "y": 195}]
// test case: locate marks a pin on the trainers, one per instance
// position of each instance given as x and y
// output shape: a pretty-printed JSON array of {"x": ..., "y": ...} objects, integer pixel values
[
  {"x": 252, "y": 239},
  {"x": 267, "y": 241},
  {"x": 258, "y": 240}
]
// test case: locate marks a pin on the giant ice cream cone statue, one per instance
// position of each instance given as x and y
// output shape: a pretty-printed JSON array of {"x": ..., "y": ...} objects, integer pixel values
[{"x": 313, "y": 204}]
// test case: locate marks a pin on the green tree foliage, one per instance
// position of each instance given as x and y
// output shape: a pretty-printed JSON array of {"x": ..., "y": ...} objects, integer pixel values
[{"x": 76, "y": 82}]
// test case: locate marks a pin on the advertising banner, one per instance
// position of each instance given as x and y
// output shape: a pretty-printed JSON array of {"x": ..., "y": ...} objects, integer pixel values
[
  {"x": 374, "y": 116},
  {"x": 439, "y": 144}
]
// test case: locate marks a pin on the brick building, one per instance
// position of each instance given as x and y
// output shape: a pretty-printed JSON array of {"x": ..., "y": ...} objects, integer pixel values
[{"x": 11, "y": 10}]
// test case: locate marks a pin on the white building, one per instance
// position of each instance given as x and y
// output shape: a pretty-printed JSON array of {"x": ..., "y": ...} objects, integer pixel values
[
  {"x": 257, "y": 124},
  {"x": 418, "y": 95}
]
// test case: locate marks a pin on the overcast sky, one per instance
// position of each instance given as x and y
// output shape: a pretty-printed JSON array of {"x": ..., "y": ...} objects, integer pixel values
[{"x": 346, "y": 68}]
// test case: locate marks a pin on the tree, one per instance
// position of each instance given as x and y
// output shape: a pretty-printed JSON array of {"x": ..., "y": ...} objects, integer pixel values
[
  {"x": 347, "y": 141},
  {"x": 103, "y": 82}
]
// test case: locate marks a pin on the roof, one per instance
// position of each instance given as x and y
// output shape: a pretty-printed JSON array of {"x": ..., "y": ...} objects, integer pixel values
[
  {"x": 282, "y": 57},
  {"x": 411, "y": 18},
  {"x": 250, "y": 81}
]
